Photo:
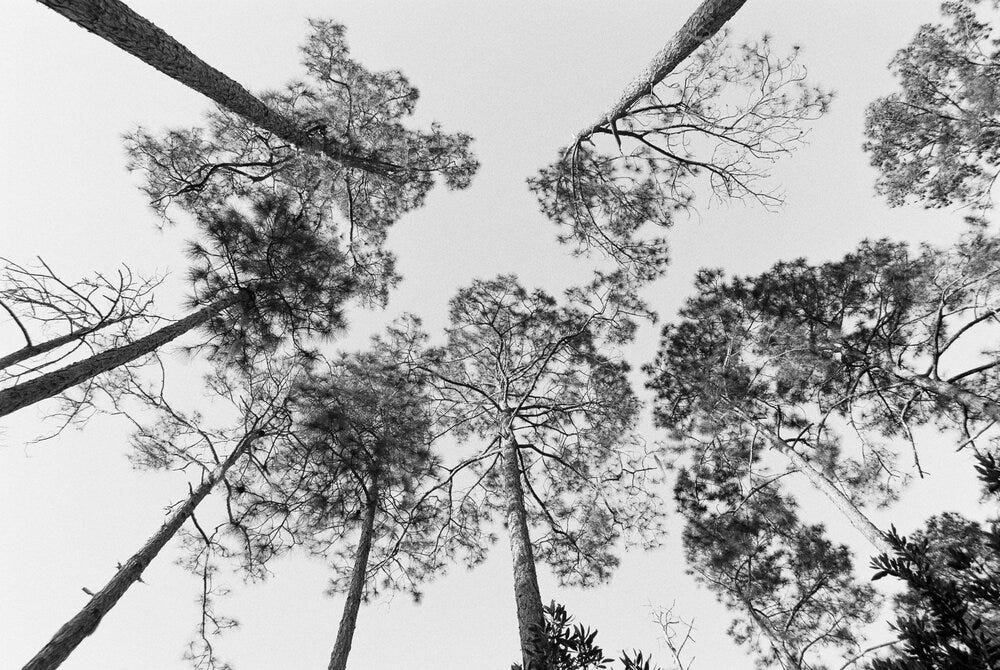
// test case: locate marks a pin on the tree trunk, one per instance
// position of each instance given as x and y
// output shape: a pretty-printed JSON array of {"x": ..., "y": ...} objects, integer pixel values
[
  {"x": 86, "y": 620},
  {"x": 530, "y": 615},
  {"x": 827, "y": 488},
  {"x": 345, "y": 634},
  {"x": 57, "y": 381},
  {"x": 952, "y": 392},
  {"x": 706, "y": 20},
  {"x": 32, "y": 350},
  {"x": 114, "y": 21}
]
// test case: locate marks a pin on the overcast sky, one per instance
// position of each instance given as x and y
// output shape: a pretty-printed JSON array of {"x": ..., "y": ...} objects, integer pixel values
[{"x": 520, "y": 77}]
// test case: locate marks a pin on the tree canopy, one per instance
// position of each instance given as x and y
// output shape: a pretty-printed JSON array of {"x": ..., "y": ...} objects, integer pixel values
[
  {"x": 784, "y": 459},
  {"x": 935, "y": 140},
  {"x": 231, "y": 161}
]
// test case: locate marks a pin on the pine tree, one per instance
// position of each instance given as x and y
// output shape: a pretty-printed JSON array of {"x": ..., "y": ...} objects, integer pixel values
[
  {"x": 720, "y": 370},
  {"x": 182, "y": 438},
  {"x": 791, "y": 589},
  {"x": 256, "y": 281},
  {"x": 230, "y": 159},
  {"x": 935, "y": 140},
  {"x": 540, "y": 384},
  {"x": 674, "y": 124},
  {"x": 117, "y": 23},
  {"x": 360, "y": 460}
]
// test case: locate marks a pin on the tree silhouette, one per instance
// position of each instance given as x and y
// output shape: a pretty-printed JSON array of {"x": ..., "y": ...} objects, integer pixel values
[
  {"x": 256, "y": 281},
  {"x": 885, "y": 339},
  {"x": 359, "y": 460},
  {"x": 182, "y": 440},
  {"x": 935, "y": 140},
  {"x": 565, "y": 645},
  {"x": 948, "y": 614},
  {"x": 792, "y": 590},
  {"x": 721, "y": 369},
  {"x": 726, "y": 115},
  {"x": 117, "y": 23},
  {"x": 231, "y": 159},
  {"x": 93, "y": 311},
  {"x": 539, "y": 383},
  {"x": 890, "y": 338},
  {"x": 893, "y": 318}
]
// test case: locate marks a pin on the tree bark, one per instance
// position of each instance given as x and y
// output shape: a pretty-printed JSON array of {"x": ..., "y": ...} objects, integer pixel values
[
  {"x": 349, "y": 620},
  {"x": 86, "y": 620},
  {"x": 819, "y": 481},
  {"x": 32, "y": 350},
  {"x": 952, "y": 392},
  {"x": 528, "y": 598},
  {"x": 55, "y": 382},
  {"x": 705, "y": 22},
  {"x": 117, "y": 23}
]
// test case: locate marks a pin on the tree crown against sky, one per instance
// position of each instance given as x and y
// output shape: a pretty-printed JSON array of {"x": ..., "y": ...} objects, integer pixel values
[
  {"x": 714, "y": 378},
  {"x": 250, "y": 413},
  {"x": 342, "y": 423},
  {"x": 900, "y": 338},
  {"x": 170, "y": 435},
  {"x": 231, "y": 160},
  {"x": 936, "y": 140},
  {"x": 350, "y": 482},
  {"x": 853, "y": 337},
  {"x": 519, "y": 363},
  {"x": 259, "y": 280},
  {"x": 719, "y": 122},
  {"x": 364, "y": 435},
  {"x": 792, "y": 590},
  {"x": 237, "y": 263},
  {"x": 293, "y": 275}
]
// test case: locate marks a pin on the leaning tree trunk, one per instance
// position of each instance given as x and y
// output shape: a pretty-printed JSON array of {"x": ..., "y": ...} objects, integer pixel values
[
  {"x": 820, "y": 481},
  {"x": 345, "y": 634},
  {"x": 117, "y": 23},
  {"x": 705, "y": 22},
  {"x": 952, "y": 392},
  {"x": 86, "y": 620},
  {"x": 528, "y": 598},
  {"x": 55, "y": 382},
  {"x": 32, "y": 350}
]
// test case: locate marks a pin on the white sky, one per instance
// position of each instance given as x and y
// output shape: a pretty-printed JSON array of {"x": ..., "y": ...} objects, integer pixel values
[{"x": 521, "y": 77}]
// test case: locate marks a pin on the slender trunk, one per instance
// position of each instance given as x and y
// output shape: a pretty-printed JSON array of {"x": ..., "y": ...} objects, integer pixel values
[
  {"x": 32, "y": 350},
  {"x": 530, "y": 615},
  {"x": 952, "y": 392},
  {"x": 345, "y": 634},
  {"x": 87, "y": 619},
  {"x": 57, "y": 381},
  {"x": 820, "y": 481},
  {"x": 705, "y": 22},
  {"x": 115, "y": 22}
]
